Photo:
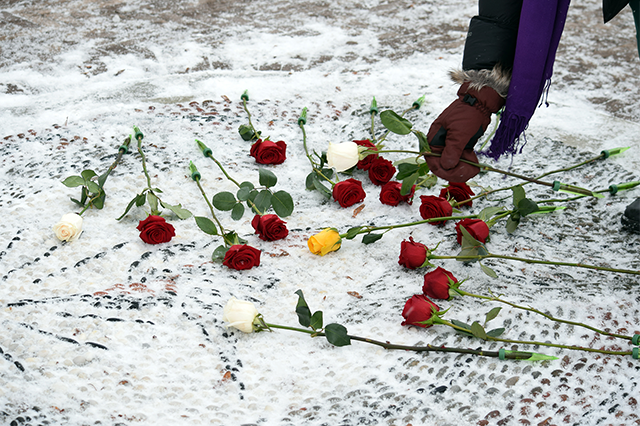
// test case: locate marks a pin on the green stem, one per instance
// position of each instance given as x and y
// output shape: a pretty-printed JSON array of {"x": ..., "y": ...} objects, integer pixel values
[
  {"x": 536, "y": 311},
  {"x": 368, "y": 229},
  {"x": 591, "y": 160},
  {"x": 253, "y": 129},
  {"x": 401, "y": 115},
  {"x": 493, "y": 132},
  {"x": 373, "y": 134},
  {"x": 488, "y": 168},
  {"x": 113, "y": 165},
  {"x": 526, "y": 342},
  {"x": 543, "y": 262},
  {"x": 204, "y": 195},
  {"x": 144, "y": 163},
  {"x": 314, "y": 165},
  {"x": 427, "y": 348},
  {"x": 223, "y": 169}
]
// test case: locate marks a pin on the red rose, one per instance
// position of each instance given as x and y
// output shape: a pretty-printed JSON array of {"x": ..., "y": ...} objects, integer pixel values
[
  {"x": 269, "y": 227},
  {"x": 390, "y": 194},
  {"x": 417, "y": 310},
  {"x": 433, "y": 207},
  {"x": 241, "y": 257},
  {"x": 458, "y": 191},
  {"x": 348, "y": 192},
  {"x": 476, "y": 227},
  {"x": 365, "y": 163},
  {"x": 268, "y": 152},
  {"x": 436, "y": 283},
  {"x": 155, "y": 230},
  {"x": 381, "y": 171},
  {"x": 412, "y": 254}
]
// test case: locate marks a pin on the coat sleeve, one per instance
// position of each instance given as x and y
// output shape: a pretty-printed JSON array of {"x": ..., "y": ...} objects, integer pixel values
[{"x": 491, "y": 39}]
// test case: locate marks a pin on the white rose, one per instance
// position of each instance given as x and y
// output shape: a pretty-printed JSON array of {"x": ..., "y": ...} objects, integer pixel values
[
  {"x": 240, "y": 314},
  {"x": 342, "y": 156},
  {"x": 69, "y": 227}
]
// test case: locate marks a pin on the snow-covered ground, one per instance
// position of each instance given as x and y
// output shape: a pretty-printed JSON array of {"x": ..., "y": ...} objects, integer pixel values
[{"x": 108, "y": 329}]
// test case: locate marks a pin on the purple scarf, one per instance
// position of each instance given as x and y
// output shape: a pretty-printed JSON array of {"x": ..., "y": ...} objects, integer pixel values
[{"x": 541, "y": 25}]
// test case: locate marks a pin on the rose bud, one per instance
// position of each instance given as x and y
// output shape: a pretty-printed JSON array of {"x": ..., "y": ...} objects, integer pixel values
[
  {"x": 476, "y": 227},
  {"x": 458, "y": 191},
  {"x": 412, "y": 254},
  {"x": 268, "y": 152},
  {"x": 342, "y": 156},
  {"x": 269, "y": 227},
  {"x": 381, "y": 171},
  {"x": 436, "y": 283},
  {"x": 365, "y": 163},
  {"x": 69, "y": 227},
  {"x": 240, "y": 314},
  {"x": 325, "y": 241},
  {"x": 155, "y": 230},
  {"x": 348, "y": 192},
  {"x": 390, "y": 194},
  {"x": 418, "y": 310},
  {"x": 241, "y": 256},
  {"x": 433, "y": 207}
]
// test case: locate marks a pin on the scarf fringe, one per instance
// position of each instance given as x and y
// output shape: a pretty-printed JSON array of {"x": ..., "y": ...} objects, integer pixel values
[{"x": 507, "y": 135}]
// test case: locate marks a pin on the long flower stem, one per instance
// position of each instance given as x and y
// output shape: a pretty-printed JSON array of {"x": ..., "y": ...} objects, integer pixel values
[
  {"x": 244, "y": 105},
  {"x": 113, "y": 165},
  {"x": 144, "y": 162},
  {"x": 253, "y": 206},
  {"x": 204, "y": 195},
  {"x": 536, "y": 311},
  {"x": 486, "y": 167},
  {"x": 543, "y": 262},
  {"x": 368, "y": 229},
  {"x": 427, "y": 348},
  {"x": 401, "y": 115},
  {"x": 223, "y": 170},
  {"x": 314, "y": 165},
  {"x": 526, "y": 342}
]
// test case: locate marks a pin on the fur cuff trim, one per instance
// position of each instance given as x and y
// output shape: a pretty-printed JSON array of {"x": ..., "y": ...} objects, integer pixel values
[{"x": 497, "y": 78}]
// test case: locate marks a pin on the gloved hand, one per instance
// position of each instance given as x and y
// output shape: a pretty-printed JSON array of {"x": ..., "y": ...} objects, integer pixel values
[{"x": 457, "y": 129}]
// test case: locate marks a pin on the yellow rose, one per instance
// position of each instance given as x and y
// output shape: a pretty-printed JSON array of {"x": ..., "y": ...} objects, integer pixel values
[{"x": 326, "y": 241}]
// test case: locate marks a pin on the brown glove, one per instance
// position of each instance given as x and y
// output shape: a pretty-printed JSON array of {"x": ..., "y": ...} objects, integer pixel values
[{"x": 457, "y": 129}]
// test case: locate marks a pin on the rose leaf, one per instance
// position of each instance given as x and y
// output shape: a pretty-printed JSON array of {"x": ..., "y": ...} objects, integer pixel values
[
  {"x": 478, "y": 331},
  {"x": 492, "y": 314},
  {"x": 371, "y": 238},
  {"x": 206, "y": 225},
  {"x": 182, "y": 213},
  {"x": 282, "y": 203},
  {"x": 406, "y": 170},
  {"x": 224, "y": 201},
  {"x": 337, "y": 334},
  {"x": 73, "y": 181},
  {"x": 266, "y": 178},
  {"x": 488, "y": 271},
  {"x": 262, "y": 202},
  {"x": 408, "y": 183},
  {"x": 527, "y": 206},
  {"x": 496, "y": 332},
  {"x": 316, "y": 320},
  {"x": 302, "y": 310},
  {"x": 423, "y": 143},
  {"x": 518, "y": 194},
  {"x": 394, "y": 123},
  {"x": 218, "y": 253},
  {"x": 237, "y": 212}
]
